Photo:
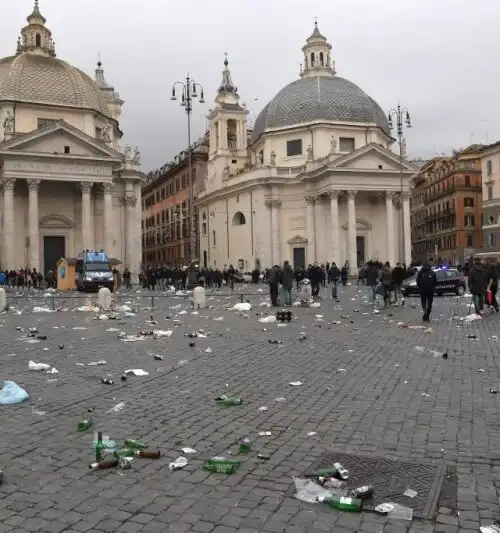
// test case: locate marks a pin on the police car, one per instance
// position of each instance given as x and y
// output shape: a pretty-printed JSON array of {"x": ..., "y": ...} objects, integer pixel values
[{"x": 448, "y": 280}]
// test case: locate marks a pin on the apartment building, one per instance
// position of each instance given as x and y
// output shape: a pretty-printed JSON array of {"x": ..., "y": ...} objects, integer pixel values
[
  {"x": 166, "y": 208},
  {"x": 446, "y": 211},
  {"x": 490, "y": 165}
]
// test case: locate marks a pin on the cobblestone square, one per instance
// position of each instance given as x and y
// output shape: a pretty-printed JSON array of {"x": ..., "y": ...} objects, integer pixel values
[{"x": 369, "y": 387}]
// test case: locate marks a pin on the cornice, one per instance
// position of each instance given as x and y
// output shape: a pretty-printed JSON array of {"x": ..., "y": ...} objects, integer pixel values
[{"x": 56, "y": 158}]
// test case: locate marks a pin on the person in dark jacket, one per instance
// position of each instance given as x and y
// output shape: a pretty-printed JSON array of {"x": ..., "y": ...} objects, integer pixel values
[
  {"x": 334, "y": 279},
  {"x": 398, "y": 276},
  {"x": 287, "y": 275},
  {"x": 371, "y": 274},
  {"x": 426, "y": 282},
  {"x": 316, "y": 277},
  {"x": 493, "y": 284},
  {"x": 273, "y": 279},
  {"x": 478, "y": 281},
  {"x": 386, "y": 280}
]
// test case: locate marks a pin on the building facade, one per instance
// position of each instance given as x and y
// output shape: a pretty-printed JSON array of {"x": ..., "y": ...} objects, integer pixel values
[
  {"x": 166, "y": 208},
  {"x": 66, "y": 183},
  {"x": 446, "y": 207},
  {"x": 316, "y": 182},
  {"x": 490, "y": 166}
]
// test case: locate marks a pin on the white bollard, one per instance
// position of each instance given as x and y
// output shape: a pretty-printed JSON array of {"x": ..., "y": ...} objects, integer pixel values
[
  {"x": 104, "y": 298},
  {"x": 199, "y": 297},
  {"x": 3, "y": 300}
]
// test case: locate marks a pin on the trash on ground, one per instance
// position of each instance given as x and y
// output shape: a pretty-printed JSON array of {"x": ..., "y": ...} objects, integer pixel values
[
  {"x": 136, "y": 372},
  {"x": 179, "y": 463},
  {"x": 265, "y": 433},
  {"x": 295, "y": 383},
  {"x": 400, "y": 512},
  {"x": 490, "y": 529},
  {"x": 410, "y": 493},
  {"x": 243, "y": 306},
  {"x": 343, "y": 503},
  {"x": 309, "y": 491},
  {"x": 227, "y": 401},
  {"x": 188, "y": 450},
  {"x": 221, "y": 465},
  {"x": 84, "y": 424},
  {"x": 38, "y": 367},
  {"x": 117, "y": 408},
  {"x": 268, "y": 319},
  {"x": 12, "y": 393}
]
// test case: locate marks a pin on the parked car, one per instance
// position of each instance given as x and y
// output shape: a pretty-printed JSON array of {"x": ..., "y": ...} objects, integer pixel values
[{"x": 449, "y": 281}]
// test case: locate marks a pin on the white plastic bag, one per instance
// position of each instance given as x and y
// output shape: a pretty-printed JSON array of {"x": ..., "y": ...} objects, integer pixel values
[
  {"x": 308, "y": 491},
  {"x": 12, "y": 393}
]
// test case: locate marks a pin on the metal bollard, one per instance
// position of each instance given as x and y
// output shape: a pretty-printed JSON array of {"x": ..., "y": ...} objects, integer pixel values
[
  {"x": 241, "y": 298},
  {"x": 152, "y": 302},
  {"x": 53, "y": 302}
]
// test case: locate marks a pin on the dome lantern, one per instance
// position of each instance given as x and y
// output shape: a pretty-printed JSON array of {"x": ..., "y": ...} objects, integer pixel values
[
  {"x": 36, "y": 37},
  {"x": 317, "y": 56}
]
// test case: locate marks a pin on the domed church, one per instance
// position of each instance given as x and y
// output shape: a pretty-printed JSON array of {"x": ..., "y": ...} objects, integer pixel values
[
  {"x": 66, "y": 183},
  {"x": 314, "y": 181}
]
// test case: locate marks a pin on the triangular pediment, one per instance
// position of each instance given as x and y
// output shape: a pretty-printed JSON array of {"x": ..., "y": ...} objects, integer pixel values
[
  {"x": 59, "y": 138},
  {"x": 298, "y": 239},
  {"x": 372, "y": 157}
]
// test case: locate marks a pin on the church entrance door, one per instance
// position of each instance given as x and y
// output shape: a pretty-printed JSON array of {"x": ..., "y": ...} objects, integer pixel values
[
  {"x": 360, "y": 250},
  {"x": 299, "y": 258},
  {"x": 54, "y": 247}
]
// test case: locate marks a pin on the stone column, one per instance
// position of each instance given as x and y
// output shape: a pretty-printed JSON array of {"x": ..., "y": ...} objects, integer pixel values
[
  {"x": 33, "y": 225},
  {"x": 108, "y": 189},
  {"x": 86, "y": 187},
  {"x": 334, "y": 226},
  {"x": 130, "y": 203},
  {"x": 406, "y": 226},
  {"x": 389, "y": 226},
  {"x": 351, "y": 232},
  {"x": 267, "y": 256},
  {"x": 275, "y": 228},
  {"x": 8, "y": 261},
  {"x": 311, "y": 234}
]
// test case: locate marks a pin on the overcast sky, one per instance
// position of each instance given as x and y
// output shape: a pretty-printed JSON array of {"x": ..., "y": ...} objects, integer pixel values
[{"x": 439, "y": 58}]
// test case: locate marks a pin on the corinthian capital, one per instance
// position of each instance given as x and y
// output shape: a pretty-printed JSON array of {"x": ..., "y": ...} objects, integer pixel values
[
  {"x": 108, "y": 188},
  {"x": 310, "y": 199},
  {"x": 86, "y": 186},
  {"x": 130, "y": 201},
  {"x": 33, "y": 184},
  {"x": 8, "y": 184},
  {"x": 352, "y": 194},
  {"x": 334, "y": 193},
  {"x": 405, "y": 195}
]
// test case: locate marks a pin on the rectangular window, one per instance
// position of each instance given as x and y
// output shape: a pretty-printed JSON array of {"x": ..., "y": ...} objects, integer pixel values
[
  {"x": 293, "y": 147},
  {"x": 489, "y": 191},
  {"x": 67, "y": 149},
  {"x": 213, "y": 238},
  {"x": 469, "y": 221},
  {"x": 468, "y": 202},
  {"x": 346, "y": 144},
  {"x": 467, "y": 181},
  {"x": 470, "y": 240},
  {"x": 491, "y": 239},
  {"x": 44, "y": 122},
  {"x": 98, "y": 133},
  {"x": 489, "y": 167}
]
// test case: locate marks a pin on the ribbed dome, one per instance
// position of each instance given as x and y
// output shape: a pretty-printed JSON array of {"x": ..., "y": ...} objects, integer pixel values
[
  {"x": 47, "y": 80},
  {"x": 319, "y": 98}
]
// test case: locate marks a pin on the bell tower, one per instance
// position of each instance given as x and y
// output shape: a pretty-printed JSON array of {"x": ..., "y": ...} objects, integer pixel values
[
  {"x": 317, "y": 56},
  {"x": 227, "y": 130}
]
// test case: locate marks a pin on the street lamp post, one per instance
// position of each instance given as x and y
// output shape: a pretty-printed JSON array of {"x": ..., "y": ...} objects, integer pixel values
[
  {"x": 189, "y": 92},
  {"x": 400, "y": 117}
]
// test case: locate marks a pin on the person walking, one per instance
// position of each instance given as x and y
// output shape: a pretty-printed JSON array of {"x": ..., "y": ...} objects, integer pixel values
[
  {"x": 493, "y": 285},
  {"x": 371, "y": 275},
  {"x": 398, "y": 276},
  {"x": 426, "y": 283},
  {"x": 287, "y": 276},
  {"x": 478, "y": 282},
  {"x": 386, "y": 280},
  {"x": 273, "y": 280},
  {"x": 334, "y": 279}
]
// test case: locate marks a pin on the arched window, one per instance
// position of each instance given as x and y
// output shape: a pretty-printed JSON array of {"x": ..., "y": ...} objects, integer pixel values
[
  {"x": 38, "y": 40},
  {"x": 239, "y": 219},
  {"x": 321, "y": 59},
  {"x": 312, "y": 59}
]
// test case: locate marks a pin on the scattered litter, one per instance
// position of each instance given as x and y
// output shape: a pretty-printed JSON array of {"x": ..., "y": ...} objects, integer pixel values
[
  {"x": 400, "y": 512},
  {"x": 263, "y": 408},
  {"x": 268, "y": 319},
  {"x": 12, "y": 393},
  {"x": 243, "y": 306},
  {"x": 312, "y": 433},
  {"x": 161, "y": 333},
  {"x": 265, "y": 433},
  {"x": 280, "y": 399},
  {"x": 295, "y": 383},
  {"x": 179, "y": 463},
  {"x": 188, "y": 450},
  {"x": 117, "y": 408},
  {"x": 410, "y": 493},
  {"x": 309, "y": 491},
  {"x": 490, "y": 529},
  {"x": 137, "y": 372},
  {"x": 38, "y": 309},
  {"x": 221, "y": 465},
  {"x": 38, "y": 412},
  {"x": 38, "y": 367}
]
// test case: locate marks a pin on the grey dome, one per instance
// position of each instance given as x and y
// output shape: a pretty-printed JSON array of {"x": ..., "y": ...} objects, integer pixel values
[{"x": 319, "y": 98}]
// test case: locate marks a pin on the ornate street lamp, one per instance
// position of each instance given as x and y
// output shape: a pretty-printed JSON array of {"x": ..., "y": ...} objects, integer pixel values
[
  {"x": 401, "y": 118},
  {"x": 188, "y": 92}
]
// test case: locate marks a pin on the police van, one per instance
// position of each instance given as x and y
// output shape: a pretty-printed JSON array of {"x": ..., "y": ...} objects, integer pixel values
[
  {"x": 93, "y": 271},
  {"x": 448, "y": 281}
]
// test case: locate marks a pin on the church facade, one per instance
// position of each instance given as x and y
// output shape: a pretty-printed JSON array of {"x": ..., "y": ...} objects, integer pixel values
[
  {"x": 314, "y": 181},
  {"x": 66, "y": 183}
]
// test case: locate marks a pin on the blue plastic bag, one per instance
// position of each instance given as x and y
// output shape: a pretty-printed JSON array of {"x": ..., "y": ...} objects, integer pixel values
[{"x": 12, "y": 393}]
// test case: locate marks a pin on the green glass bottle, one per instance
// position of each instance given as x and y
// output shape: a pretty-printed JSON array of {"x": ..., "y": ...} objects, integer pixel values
[
  {"x": 99, "y": 448},
  {"x": 227, "y": 401},
  {"x": 342, "y": 503},
  {"x": 245, "y": 446},
  {"x": 135, "y": 444},
  {"x": 323, "y": 472},
  {"x": 220, "y": 465},
  {"x": 84, "y": 424},
  {"x": 124, "y": 452}
]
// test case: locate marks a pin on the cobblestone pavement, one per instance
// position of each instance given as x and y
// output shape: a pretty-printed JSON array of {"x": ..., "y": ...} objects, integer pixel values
[{"x": 393, "y": 400}]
